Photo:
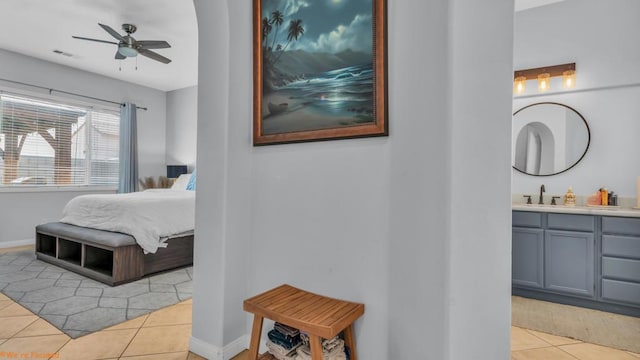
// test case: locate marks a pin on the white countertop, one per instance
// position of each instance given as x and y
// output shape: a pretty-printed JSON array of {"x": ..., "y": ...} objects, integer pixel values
[{"x": 588, "y": 210}]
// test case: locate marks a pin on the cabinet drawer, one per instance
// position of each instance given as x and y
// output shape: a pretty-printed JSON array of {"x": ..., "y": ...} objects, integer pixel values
[
  {"x": 526, "y": 219},
  {"x": 621, "y": 246},
  {"x": 571, "y": 222},
  {"x": 621, "y": 291},
  {"x": 620, "y": 225},
  {"x": 622, "y": 269}
]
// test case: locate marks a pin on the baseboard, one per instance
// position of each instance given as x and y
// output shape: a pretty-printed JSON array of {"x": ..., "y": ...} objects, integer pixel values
[
  {"x": 16, "y": 243},
  {"x": 235, "y": 347},
  {"x": 213, "y": 352}
]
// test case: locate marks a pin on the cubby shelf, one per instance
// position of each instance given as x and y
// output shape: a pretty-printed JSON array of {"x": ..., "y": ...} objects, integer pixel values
[{"x": 92, "y": 260}]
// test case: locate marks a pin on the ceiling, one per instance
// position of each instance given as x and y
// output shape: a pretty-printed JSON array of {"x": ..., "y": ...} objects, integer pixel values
[{"x": 38, "y": 27}]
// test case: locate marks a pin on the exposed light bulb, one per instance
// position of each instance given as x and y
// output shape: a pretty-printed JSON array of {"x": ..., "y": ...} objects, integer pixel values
[
  {"x": 569, "y": 79},
  {"x": 519, "y": 84},
  {"x": 543, "y": 82}
]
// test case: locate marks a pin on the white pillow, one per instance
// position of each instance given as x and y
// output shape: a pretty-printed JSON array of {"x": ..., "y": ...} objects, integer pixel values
[{"x": 181, "y": 182}]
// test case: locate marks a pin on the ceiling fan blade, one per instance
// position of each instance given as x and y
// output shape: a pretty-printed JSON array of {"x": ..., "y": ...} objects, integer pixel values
[
  {"x": 153, "y": 55},
  {"x": 97, "y": 40},
  {"x": 119, "y": 56},
  {"x": 153, "y": 44},
  {"x": 113, "y": 33}
]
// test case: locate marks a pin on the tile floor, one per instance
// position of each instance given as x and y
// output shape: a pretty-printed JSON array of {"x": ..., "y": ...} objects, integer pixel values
[
  {"x": 164, "y": 335},
  {"x": 534, "y": 345}
]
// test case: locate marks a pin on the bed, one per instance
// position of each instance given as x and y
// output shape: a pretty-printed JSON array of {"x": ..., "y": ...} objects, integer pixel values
[{"x": 119, "y": 238}]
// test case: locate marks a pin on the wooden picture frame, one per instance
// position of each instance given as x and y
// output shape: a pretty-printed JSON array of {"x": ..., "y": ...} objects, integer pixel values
[{"x": 329, "y": 82}]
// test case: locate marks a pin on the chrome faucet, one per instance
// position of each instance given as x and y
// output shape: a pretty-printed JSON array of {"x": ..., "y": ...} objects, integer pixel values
[{"x": 542, "y": 190}]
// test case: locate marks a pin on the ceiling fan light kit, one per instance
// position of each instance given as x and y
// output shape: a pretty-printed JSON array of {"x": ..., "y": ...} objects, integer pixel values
[
  {"x": 128, "y": 46},
  {"x": 127, "y": 50}
]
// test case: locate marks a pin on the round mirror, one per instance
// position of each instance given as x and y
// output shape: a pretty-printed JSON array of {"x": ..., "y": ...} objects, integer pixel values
[{"x": 548, "y": 139}]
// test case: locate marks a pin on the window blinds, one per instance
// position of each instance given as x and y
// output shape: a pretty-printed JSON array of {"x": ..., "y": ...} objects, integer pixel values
[{"x": 47, "y": 143}]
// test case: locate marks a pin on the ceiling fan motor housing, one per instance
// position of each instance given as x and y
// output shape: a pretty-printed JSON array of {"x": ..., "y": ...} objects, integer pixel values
[{"x": 129, "y": 28}]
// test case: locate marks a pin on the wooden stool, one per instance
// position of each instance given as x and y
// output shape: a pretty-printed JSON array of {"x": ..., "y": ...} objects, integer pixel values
[{"x": 319, "y": 316}]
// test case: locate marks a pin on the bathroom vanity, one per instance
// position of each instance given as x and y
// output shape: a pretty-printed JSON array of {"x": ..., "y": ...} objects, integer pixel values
[{"x": 580, "y": 256}]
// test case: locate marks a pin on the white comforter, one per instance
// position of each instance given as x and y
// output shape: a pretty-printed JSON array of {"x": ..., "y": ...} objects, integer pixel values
[{"x": 148, "y": 216}]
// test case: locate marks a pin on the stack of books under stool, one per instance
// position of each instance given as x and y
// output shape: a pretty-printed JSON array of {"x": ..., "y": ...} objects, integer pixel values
[{"x": 288, "y": 343}]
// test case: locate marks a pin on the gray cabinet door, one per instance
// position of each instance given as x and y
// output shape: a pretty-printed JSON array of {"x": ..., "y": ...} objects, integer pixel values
[
  {"x": 569, "y": 262},
  {"x": 527, "y": 253}
]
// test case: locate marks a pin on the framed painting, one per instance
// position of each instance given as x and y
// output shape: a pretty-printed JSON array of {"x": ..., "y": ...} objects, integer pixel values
[{"x": 319, "y": 70}]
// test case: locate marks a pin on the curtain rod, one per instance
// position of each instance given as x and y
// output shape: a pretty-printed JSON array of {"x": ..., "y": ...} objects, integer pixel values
[{"x": 69, "y": 93}]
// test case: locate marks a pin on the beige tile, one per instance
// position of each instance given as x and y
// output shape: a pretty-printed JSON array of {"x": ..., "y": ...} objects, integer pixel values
[
  {"x": 40, "y": 345},
  {"x": 14, "y": 310},
  {"x": 4, "y": 297},
  {"x": 554, "y": 339},
  {"x": 166, "y": 356},
  {"x": 587, "y": 351},
  {"x": 159, "y": 339},
  {"x": 5, "y": 303},
  {"x": 98, "y": 345},
  {"x": 550, "y": 353},
  {"x": 172, "y": 315},
  {"x": 521, "y": 339},
  {"x": 17, "y": 248},
  {"x": 242, "y": 356},
  {"x": 129, "y": 324},
  {"x": 190, "y": 301},
  {"x": 12, "y": 325},
  {"x": 38, "y": 328},
  {"x": 634, "y": 354},
  {"x": 2, "y": 340}
]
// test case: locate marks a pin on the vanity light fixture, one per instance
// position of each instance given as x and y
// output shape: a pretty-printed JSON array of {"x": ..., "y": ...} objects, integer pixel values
[{"x": 543, "y": 75}]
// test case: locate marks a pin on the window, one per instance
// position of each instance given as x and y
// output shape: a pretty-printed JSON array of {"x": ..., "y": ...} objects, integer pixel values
[{"x": 46, "y": 143}]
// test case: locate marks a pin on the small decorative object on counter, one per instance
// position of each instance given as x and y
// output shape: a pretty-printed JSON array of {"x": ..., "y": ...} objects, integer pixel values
[
  {"x": 604, "y": 196},
  {"x": 613, "y": 199},
  {"x": 594, "y": 199},
  {"x": 570, "y": 197}
]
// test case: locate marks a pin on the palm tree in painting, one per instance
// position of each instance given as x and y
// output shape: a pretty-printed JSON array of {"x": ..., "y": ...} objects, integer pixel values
[
  {"x": 266, "y": 30},
  {"x": 294, "y": 32},
  {"x": 276, "y": 19}
]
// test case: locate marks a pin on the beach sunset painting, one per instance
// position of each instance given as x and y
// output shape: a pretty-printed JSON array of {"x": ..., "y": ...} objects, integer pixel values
[{"x": 318, "y": 65}]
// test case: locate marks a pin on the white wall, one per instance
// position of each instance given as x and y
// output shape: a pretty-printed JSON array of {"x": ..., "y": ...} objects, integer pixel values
[
  {"x": 392, "y": 222},
  {"x": 20, "y": 212},
  {"x": 480, "y": 214},
  {"x": 182, "y": 124},
  {"x": 601, "y": 38}
]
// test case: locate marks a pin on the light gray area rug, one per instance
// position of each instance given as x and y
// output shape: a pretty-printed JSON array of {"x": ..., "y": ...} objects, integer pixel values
[{"x": 78, "y": 305}]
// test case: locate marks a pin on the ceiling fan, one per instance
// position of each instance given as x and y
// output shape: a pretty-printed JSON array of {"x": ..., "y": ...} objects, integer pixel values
[{"x": 130, "y": 47}]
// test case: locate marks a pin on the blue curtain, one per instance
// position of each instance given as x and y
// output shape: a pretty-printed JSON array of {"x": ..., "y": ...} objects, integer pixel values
[{"x": 128, "y": 149}]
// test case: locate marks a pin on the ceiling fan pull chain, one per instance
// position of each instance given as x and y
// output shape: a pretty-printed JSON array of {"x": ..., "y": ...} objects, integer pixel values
[
  {"x": 136, "y": 63},
  {"x": 119, "y": 65}
]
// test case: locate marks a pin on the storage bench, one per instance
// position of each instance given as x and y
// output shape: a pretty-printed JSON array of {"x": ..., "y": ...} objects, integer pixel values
[{"x": 109, "y": 257}]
